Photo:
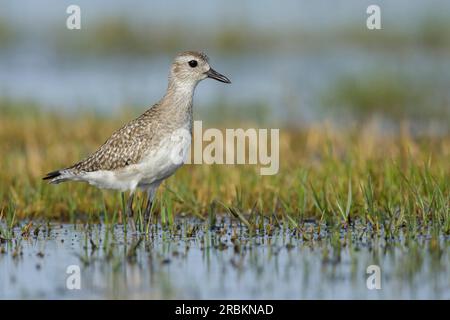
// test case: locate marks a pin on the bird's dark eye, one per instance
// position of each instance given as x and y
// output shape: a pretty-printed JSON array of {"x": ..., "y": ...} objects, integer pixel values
[{"x": 193, "y": 63}]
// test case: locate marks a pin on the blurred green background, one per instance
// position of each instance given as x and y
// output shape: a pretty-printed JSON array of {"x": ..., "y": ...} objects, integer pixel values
[{"x": 292, "y": 63}]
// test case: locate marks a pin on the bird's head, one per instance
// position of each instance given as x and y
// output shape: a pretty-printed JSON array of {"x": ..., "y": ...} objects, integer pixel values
[{"x": 190, "y": 67}]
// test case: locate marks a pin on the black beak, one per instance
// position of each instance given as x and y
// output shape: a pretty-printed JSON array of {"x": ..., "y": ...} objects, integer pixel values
[{"x": 213, "y": 74}]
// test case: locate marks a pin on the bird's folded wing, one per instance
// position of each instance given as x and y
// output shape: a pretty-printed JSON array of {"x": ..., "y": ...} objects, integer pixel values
[{"x": 125, "y": 147}]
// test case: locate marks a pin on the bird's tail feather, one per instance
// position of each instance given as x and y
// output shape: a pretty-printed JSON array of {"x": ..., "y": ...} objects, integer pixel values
[{"x": 59, "y": 176}]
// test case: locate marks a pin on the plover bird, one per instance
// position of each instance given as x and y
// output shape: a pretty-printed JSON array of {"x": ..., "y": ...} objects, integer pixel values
[{"x": 144, "y": 152}]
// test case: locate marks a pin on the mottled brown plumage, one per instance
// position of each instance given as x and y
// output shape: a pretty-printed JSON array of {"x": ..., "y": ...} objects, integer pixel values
[{"x": 128, "y": 145}]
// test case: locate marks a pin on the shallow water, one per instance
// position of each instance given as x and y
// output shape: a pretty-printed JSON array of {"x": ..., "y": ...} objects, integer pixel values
[{"x": 193, "y": 261}]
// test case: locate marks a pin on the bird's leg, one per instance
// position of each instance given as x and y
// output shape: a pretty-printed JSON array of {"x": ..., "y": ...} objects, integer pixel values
[
  {"x": 150, "y": 195},
  {"x": 148, "y": 208},
  {"x": 130, "y": 211}
]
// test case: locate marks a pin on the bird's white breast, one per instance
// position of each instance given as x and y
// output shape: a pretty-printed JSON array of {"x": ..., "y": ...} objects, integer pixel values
[{"x": 162, "y": 162}]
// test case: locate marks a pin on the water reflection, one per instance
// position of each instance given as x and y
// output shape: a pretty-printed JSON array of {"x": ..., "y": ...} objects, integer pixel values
[{"x": 219, "y": 263}]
